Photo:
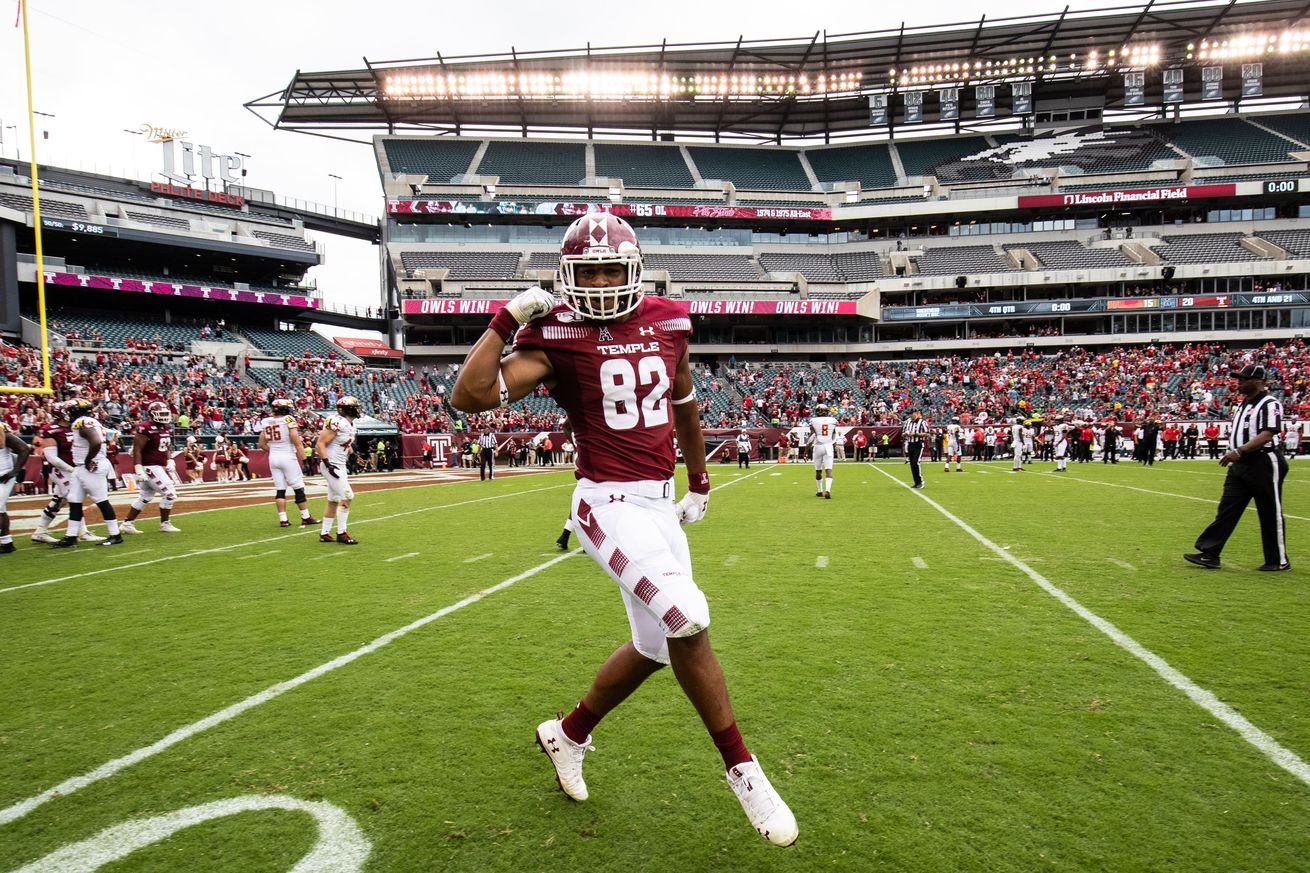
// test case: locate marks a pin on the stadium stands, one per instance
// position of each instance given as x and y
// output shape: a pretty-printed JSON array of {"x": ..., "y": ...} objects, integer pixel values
[
  {"x": 643, "y": 165},
  {"x": 815, "y": 268},
  {"x": 1205, "y": 248},
  {"x": 1066, "y": 188},
  {"x": 1074, "y": 256},
  {"x": 58, "y": 208},
  {"x": 293, "y": 343},
  {"x": 439, "y": 159},
  {"x": 285, "y": 241},
  {"x": 762, "y": 169},
  {"x": 1296, "y": 126},
  {"x": 1295, "y": 242},
  {"x": 1091, "y": 150},
  {"x": 465, "y": 265},
  {"x": 870, "y": 165},
  {"x": 690, "y": 268},
  {"x": 961, "y": 260},
  {"x": 1227, "y": 141},
  {"x": 950, "y": 160},
  {"x": 528, "y": 162},
  {"x": 159, "y": 220}
]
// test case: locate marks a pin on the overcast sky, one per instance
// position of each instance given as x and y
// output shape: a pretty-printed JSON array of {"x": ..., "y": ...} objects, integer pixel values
[{"x": 103, "y": 67}]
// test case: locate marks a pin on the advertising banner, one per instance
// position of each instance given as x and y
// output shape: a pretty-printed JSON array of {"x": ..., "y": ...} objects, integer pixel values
[
  {"x": 636, "y": 210},
  {"x": 1128, "y": 196},
  {"x": 169, "y": 289},
  {"x": 692, "y": 307}
]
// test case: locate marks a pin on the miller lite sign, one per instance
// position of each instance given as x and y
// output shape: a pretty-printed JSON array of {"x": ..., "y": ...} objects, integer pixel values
[{"x": 180, "y": 163}]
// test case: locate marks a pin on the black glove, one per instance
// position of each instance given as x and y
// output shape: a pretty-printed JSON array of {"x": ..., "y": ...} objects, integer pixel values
[
  {"x": 330, "y": 469},
  {"x": 5, "y": 477}
]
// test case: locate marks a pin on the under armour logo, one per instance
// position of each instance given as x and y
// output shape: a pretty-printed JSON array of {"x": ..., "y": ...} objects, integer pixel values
[
  {"x": 617, "y": 498},
  {"x": 605, "y": 335},
  {"x": 646, "y": 331}
]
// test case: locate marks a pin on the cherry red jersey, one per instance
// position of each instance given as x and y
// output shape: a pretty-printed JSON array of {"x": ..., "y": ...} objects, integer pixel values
[
  {"x": 615, "y": 381},
  {"x": 159, "y": 443},
  {"x": 61, "y": 438}
]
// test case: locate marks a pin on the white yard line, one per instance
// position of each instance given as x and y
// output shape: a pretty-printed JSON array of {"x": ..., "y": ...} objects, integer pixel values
[
  {"x": 475, "y": 558},
  {"x": 401, "y": 557},
  {"x": 1157, "y": 493},
  {"x": 133, "y": 552},
  {"x": 919, "y": 562},
  {"x": 104, "y": 771},
  {"x": 260, "y": 555},
  {"x": 1280, "y": 755},
  {"x": 821, "y": 561},
  {"x": 301, "y": 532},
  {"x": 1123, "y": 565}
]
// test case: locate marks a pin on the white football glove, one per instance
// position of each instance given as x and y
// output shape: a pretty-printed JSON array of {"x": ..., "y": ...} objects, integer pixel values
[
  {"x": 691, "y": 508},
  {"x": 532, "y": 303}
]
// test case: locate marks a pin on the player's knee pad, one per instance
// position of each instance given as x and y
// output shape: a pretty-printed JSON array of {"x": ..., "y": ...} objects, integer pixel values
[
  {"x": 280, "y": 494},
  {"x": 74, "y": 512},
  {"x": 139, "y": 504},
  {"x": 52, "y": 508},
  {"x": 167, "y": 502},
  {"x": 299, "y": 494},
  {"x": 106, "y": 508}
]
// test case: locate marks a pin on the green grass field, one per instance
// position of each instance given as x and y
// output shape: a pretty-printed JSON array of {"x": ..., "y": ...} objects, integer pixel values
[{"x": 920, "y": 701}]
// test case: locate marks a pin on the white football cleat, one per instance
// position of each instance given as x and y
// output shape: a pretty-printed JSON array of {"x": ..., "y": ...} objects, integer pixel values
[
  {"x": 566, "y": 755},
  {"x": 167, "y": 527},
  {"x": 43, "y": 537},
  {"x": 767, "y": 812},
  {"x": 129, "y": 527},
  {"x": 87, "y": 537}
]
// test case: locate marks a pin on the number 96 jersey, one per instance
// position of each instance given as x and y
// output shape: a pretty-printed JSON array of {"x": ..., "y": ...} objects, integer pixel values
[{"x": 615, "y": 381}]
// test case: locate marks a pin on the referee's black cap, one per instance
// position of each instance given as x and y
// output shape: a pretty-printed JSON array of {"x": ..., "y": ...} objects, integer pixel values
[{"x": 1250, "y": 371}]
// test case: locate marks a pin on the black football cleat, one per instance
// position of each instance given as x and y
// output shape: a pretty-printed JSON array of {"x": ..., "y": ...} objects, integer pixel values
[
  {"x": 1264, "y": 568},
  {"x": 309, "y": 522},
  {"x": 326, "y": 538},
  {"x": 563, "y": 543},
  {"x": 115, "y": 540},
  {"x": 346, "y": 539},
  {"x": 283, "y": 523},
  {"x": 1201, "y": 559},
  {"x": 6, "y": 548},
  {"x": 66, "y": 543}
]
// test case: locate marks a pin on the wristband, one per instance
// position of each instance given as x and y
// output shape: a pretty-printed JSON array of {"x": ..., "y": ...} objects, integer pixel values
[
  {"x": 504, "y": 324},
  {"x": 698, "y": 483}
]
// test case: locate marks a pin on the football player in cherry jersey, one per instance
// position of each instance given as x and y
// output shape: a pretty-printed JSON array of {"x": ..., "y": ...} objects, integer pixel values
[
  {"x": 13, "y": 460},
  {"x": 279, "y": 435},
  {"x": 617, "y": 363},
  {"x": 90, "y": 476},
  {"x": 333, "y": 448},
  {"x": 150, "y": 450}
]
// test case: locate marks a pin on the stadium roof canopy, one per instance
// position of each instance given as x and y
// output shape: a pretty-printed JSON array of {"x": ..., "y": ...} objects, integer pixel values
[{"x": 821, "y": 85}]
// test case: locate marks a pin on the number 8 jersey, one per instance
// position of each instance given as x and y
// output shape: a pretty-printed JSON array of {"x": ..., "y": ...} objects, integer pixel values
[{"x": 615, "y": 381}]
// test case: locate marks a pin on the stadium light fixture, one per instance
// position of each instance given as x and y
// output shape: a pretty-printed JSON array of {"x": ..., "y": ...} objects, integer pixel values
[{"x": 598, "y": 84}]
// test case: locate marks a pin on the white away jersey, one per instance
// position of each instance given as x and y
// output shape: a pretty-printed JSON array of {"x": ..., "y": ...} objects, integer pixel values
[
  {"x": 345, "y": 436},
  {"x": 80, "y": 444},
  {"x": 824, "y": 429},
  {"x": 953, "y": 433},
  {"x": 277, "y": 433},
  {"x": 6, "y": 456}
]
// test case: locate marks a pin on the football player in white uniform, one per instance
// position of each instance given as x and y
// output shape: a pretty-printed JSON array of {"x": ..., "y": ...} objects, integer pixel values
[
  {"x": 1027, "y": 442},
  {"x": 279, "y": 435},
  {"x": 13, "y": 461},
  {"x": 1060, "y": 437},
  {"x": 823, "y": 430},
  {"x": 91, "y": 477},
  {"x": 953, "y": 445},
  {"x": 333, "y": 448},
  {"x": 1016, "y": 444}
]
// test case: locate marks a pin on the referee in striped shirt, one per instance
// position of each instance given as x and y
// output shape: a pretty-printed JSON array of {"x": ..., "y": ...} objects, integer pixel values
[
  {"x": 1256, "y": 470},
  {"x": 913, "y": 433},
  {"x": 487, "y": 457}
]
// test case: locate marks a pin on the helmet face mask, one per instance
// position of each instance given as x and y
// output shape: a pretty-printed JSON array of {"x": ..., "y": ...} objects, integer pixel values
[
  {"x": 160, "y": 413},
  {"x": 281, "y": 406},
  {"x": 599, "y": 240},
  {"x": 75, "y": 409}
]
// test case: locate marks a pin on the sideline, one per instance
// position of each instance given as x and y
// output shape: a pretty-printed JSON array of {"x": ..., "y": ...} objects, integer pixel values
[{"x": 1280, "y": 755}]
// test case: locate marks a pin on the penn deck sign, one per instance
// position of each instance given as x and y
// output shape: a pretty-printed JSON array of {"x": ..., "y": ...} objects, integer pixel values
[{"x": 1129, "y": 196}]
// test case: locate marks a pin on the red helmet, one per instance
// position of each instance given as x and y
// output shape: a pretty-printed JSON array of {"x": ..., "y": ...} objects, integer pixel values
[
  {"x": 160, "y": 413},
  {"x": 600, "y": 238}
]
